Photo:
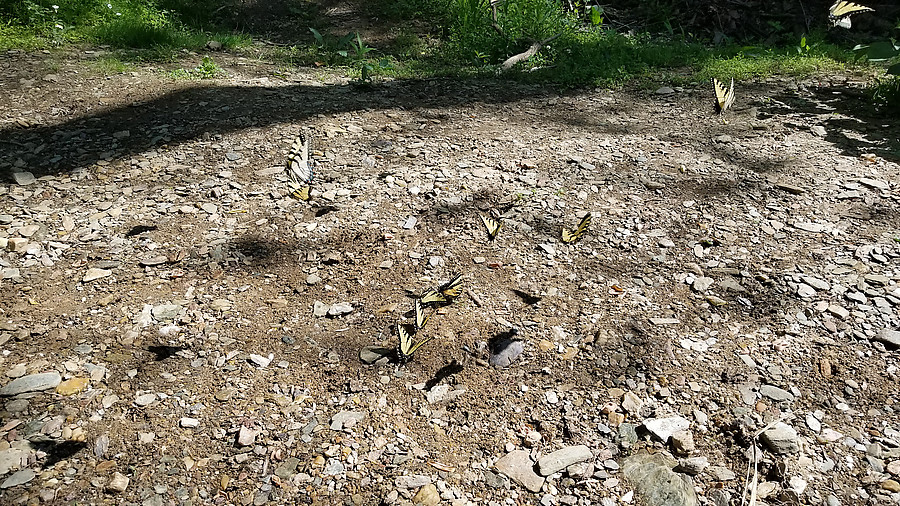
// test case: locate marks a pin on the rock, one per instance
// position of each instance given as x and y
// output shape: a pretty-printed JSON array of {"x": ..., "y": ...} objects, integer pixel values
[
  {"x": 719, "y": 473},
  {"x": 28, "y": 230},
  {"x": 12, "y": 459},
  {"x": 632, "y": 403},
  {"x": 890, "y": 485},
  {"x": 372, "y": 354},
  {"x": 261, "y": 361},
  {"x": 410, "y": 481},
  {"x": 443, "y": 393},
  {"x": 887, "y": 336},
  {"x": 775, "y": 393},
  {"x": 683, "y": 442},
  {"x": 517, "y": 465},
  {"x": 286, "y": 469},
  {"x": 506, "y": 352},
  {"x": 818, "y": 130},
  {"x": 246, "y": 436},
  {"x": 18, "y": 478},
  {"x": 656, "y": 483},
  {"x": 72, "y": 386},
  {"x": 31, "y": 383},
  {"x": 693, "y": 465},
  {"x": 23, "y": 178},
  {"x": 145, "y": 399},
  {"x": 663, "y": 428},
  {"x": 320, "y": 309},
  {"x": 346, "y": 419},
  {"x": 341, "y": 308},
  {"x": 189, "y": 423},
  {"x": 427, "y": 496},
  {"x": 781, "y": 439},
  {"x": 94, "y": 274},
  {"x": 220, "y": 304},
  {"x": 561, "y": 459},
  {"x": 702, "y": 283},
  {"x": 118, "y": 483},
  {"x": 166, "y": 312}
]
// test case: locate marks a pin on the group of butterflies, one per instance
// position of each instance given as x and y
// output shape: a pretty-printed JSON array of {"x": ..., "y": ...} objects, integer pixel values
[
  {"x": 447, "y": 292},
  {"x": 441, "y": 295},
  {"x": 839, "y": 14},
  {"x": 568, "y": 236}
]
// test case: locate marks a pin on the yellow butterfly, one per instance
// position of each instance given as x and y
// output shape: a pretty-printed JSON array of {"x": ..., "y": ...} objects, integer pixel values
[
  {"x": 724, "y": 96},
  {"x": 432, "y": 296},
  {"x": 298, "y": 168},
  {"x": 421, "y": 317},
  {"x": 569, "y": 236},
  {"x": 451, "y": 289},
  {"x": 492, "y": 226},
  {"x": 406, "y": 346},
  {"x": 840, "y": 12}
]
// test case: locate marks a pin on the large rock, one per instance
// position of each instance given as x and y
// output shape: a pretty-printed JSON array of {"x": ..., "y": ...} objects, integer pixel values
[
  {"x": 31, "y": 383},
  {"x": 656, "y": 483},
  {"x": 518, "y": 465},
  {"x": 781, "y": 439}
]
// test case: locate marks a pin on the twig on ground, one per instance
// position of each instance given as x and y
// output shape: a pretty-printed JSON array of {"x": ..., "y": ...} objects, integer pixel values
[{"x": 531, "y": 51}]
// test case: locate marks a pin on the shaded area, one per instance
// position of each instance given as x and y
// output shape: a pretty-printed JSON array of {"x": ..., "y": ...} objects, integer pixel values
[{"x": 57, "y": 450}]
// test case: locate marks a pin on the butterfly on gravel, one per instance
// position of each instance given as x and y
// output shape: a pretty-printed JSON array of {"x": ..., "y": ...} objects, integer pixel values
[{"x": 299, "y": 169}]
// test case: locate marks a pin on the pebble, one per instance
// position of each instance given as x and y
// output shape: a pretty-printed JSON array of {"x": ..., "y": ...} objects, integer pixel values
[
  {"x": 656, "y": 482},
  {"x": 18, "y": 478},
  {"x": 720, "y": 473},
  {"x": 23, "y": 178},
  {"x": 887, "y": 336},
  {"x": 506, "y": 352},
  {"x": 341, "y": 308},
  {"x": 775, "y": 393},
  {"x": 693, "y": 465},
  {"x": 93, "y": 274},
  {"x": 118, "y": 483}
]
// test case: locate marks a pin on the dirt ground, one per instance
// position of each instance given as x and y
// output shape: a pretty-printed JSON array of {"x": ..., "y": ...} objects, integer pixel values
[{"x": 723, "y": 258}]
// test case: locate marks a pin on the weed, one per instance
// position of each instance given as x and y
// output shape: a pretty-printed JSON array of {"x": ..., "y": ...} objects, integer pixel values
[{"x": 206, "y": 70}]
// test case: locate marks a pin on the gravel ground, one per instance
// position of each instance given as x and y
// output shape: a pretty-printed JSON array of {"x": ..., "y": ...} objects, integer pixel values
[{"x": 177, "y": 329}]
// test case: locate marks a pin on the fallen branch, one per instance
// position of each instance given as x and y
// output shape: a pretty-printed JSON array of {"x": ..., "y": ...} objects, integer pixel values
[{"x": 531, "y": 51}]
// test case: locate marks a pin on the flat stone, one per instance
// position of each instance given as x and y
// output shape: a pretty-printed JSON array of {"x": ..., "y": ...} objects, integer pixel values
[
  {"x": 702, "y": 283},
  {"x": 656, "y": 482},
  {"x": 118, "y": 483},
  {"x": 506, "y": 352},
  {"x": 518, "y": 466},
  {"x": 663, "y": 428},
  {"x": 153, "y": 261},
  {"x": 145, "y": 399},
  {"x": 72, "y": 386},
  {"x": 871, "y": 183},
  {"x": 346, "y": 419},
  {"x": 720, "y": 473},
  {"x": 220, "y": 304},
  {"x": 93, "y": 273},
  {"x": 693, "y": 465},
  {"x": 561, "y": 459},
  {"x": 31, "y": 383},
  {"x": 11, "y": 459},
  {"x": 18, "y": 478},
  {"x": 24, "y": 178},
  {"x": 189, "y": 423},
  {"x": 816, "y": 283},
  {"x": 838, "y": 311},
  {"x": 632, "y": 403},
  {"x": 28, "y": 230},
  {"x": 775, "y": 393},
  {"x": 166, "y": 312},
  {"x": 427, "y": 496},
  {"x": 888, "y": 336},
  {"x": 287, "y": 468},
  {"x": 683, "y": 442},
  {"x": 341, "y": 308},
  {"x": 781, "y": 439}
]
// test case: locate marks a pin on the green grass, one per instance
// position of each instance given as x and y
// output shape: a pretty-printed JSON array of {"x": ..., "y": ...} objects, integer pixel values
[{"x": 208, "y": 69}]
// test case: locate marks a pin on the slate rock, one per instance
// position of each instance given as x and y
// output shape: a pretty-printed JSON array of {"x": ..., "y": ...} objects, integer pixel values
[
  {"x": 18, "y": 478},
  {"x": 31, "y": 383},
  {"x": 517, "y": 465},
  {"x": 887, "y": 336},
  {"x": 346, "y": 419},
  {"x": 23, "y": 178},
  {"x": 656, "y": 482},
  {"x": 506, "y": 352},
  {"x": 775, "y": 393},
  {"x": 561, "y": 459}
]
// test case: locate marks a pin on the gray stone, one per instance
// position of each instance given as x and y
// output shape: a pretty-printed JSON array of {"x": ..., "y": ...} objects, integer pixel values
[
  {"x": 693, "y": 465},
  {"x": 495, "y": 480},
  {"x": 506, "y": 352},
  {"x": 720, "y": 473},
  {"x": 145, "y": 399},
  {"x": 561, "y": 459},
  {"x": 517, "y": 465},
  {"x": 18, "y": 478},
  {"x": 11, "y": 459},
  {"x": 775, "y": 393},
  {"x": 816, "y": 283},
  {"x": 320, "y": 309},
  {"x": 118, "y": 483},
  {"x": 93, "y": 274},
  {"x": 887, "y": 336},
  {"x": 165, "y": 312},
  {"x": 31, "y": 383},
  {"x": 412, "y": 481},
  {"x": 333, "y": 467},
  {"x": 23, "y": 178},
  {"x": 632, "y": 403},
  {"x": 372, "y": 354},
  {"x": 702, "y": 283},
  {"x": 781, "y": 439},
  {"x": 683, "y": 442},
  {"x": 656, "y": 483},
  {"x": 286, "y": 469},
  {"x": 663, "y": 428}
]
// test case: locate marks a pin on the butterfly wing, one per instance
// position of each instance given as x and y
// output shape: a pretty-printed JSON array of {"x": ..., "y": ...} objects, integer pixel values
[
  {"x": 421, "y": 317},
  {"x": 298, "y": 191},
  {"x": 570, "y": 236},
  {"x": 432, "y": 296},
  {"x": 298, "y": 167},
  {"x": 451, "y": 289},
  {"x": 406, "y": 346},
  {"x": 724, "y": 96},
  {"x": 492, "y": 226},
  {"x": 840, "y": 12}
]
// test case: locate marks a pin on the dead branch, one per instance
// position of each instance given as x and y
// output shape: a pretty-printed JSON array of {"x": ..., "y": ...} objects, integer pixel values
[{"x": 531, "y": 51}]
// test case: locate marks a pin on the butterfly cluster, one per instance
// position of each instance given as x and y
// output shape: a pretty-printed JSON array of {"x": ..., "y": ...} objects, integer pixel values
[
  {"x": 435, "y": 296},
  {"x": 568, "y": 236}
]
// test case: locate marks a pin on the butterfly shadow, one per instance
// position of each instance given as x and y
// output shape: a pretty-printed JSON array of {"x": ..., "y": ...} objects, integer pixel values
[{"x": 443, "y": 373}]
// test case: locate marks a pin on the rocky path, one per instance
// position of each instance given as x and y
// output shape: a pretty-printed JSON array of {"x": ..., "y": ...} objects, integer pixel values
[{"x": 177, "y": 329}]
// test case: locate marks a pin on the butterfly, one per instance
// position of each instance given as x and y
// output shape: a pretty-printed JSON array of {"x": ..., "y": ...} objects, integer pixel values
[
  {"x": 840, "y": 12},
  {"x": 492, "y": 226},
  {"x": 433, "y": 296},
  {"x": 724, "y": 97},
  {"x": 298, "y": 168},
  {"x": 569, "y": 236},
  {"x": 406, "y": 346},
  {"x": 451, "y": 289},
  {"x": 421, "y": 317}
]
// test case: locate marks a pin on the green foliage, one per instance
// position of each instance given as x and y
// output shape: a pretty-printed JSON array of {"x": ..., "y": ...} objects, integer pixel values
[
  {"x": 208, "y": 69},
  {"x": 885, "y": 93}
]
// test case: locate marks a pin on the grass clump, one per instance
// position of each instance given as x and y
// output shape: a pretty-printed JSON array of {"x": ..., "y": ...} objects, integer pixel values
[{"x": 208, "y": 69}]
